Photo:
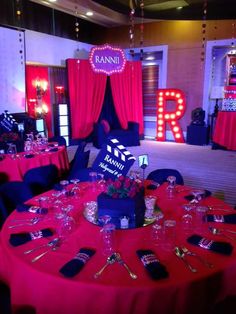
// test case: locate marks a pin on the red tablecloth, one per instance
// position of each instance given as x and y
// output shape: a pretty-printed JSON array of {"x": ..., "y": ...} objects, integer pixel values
[
  {"x": 225, "y": 130},
  {"x": 41, "y": 285},
  {"x": 14, "y": 169}
]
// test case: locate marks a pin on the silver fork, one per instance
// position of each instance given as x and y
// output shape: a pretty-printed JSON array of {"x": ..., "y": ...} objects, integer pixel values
[
  {"x": 53, "y": 246},
  {"x": 201, "y": 259}
]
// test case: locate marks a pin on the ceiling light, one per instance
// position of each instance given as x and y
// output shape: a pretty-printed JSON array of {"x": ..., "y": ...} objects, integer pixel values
[
  {"x": 89, "y": 13},
  {"x": 52, "y": 0},
  {"x": 179, "y": 8}
]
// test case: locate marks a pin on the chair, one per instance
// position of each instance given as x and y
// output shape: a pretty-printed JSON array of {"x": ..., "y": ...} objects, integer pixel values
[
  {"x": 160, "y": 176},
  {"x": 126, "y": 137},
  {"x": 79, "y": 150},
  {"x": 5, "y": 300},
  {"x": 81, "y": 174},
  {"x": 59, "y": 139},
  {"x": 11, "y": 194},
  {"x": 80, "y": 162},
  {"x": 41, "y": 179}
]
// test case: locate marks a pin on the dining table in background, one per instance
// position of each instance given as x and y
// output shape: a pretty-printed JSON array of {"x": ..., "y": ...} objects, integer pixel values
[
  {"x": 225, "y": 130},
  {"x": 42, "y": 286},
  {"x": 13, "y": 169}
]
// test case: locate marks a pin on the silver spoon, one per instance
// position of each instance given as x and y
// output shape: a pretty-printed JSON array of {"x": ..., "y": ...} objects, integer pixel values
[
  {"x": 33, "y": 221},
  {"x": 179, "y": 253},
  {"x": 53, "y": 246},
  {"x": 201, "y": 259},
  {"x": 53, "y": 241},
  {"x": 219, "y": 232},
  {"x": 120, "y": 261},
  {"x": 110, "y": 260}
]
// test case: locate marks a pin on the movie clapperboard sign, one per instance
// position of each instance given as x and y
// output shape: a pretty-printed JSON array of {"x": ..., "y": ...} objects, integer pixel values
[
  {"x": 113, "y": 159},
  {"x": 7, "y": 122}
]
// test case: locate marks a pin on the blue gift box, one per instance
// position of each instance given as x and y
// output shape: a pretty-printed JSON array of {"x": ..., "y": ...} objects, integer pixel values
[{"x": 133, "y": 208}]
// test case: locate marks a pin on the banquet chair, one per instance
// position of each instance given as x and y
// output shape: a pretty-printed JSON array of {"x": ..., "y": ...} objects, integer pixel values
[
  {"x": 79, "y": 151},
  {"x": 80, "y": 162},
  {"x": 59, "y": 139},
  {"x": 11, "y": 194},
  {"x": 41, "y": 179},
  {"x": 5, "y": 300},
  {"x": 160, "y": 175}
]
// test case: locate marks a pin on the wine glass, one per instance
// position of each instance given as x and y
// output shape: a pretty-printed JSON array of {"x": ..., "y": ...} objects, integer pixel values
[
  {"x": 64, "y": 184},
  {"x": 93, "y": 179},
  {"x": 75, "y": 189},
  {"x": 103, "y": 220},
  {"x": 108, "y": 240},
  {"x": 171, "y": 186},
  {"x": 197, "y": 196},
  {"x": 187, "y": 218},
  {"x": 101, "y": 182},
  {"x": 11, "y": 150}
]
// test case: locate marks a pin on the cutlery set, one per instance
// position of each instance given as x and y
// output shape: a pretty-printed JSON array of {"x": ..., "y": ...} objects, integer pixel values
[
  {"x": 115, "y": 257},
  {"x": 181, "y": 253}
]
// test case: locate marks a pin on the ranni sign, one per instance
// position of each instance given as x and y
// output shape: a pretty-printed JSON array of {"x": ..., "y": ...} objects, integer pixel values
[{"x": 107, "y": 59}]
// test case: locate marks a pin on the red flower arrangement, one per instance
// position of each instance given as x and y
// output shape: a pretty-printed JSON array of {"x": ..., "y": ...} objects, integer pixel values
[
  {"x": 123, "y": 187},
  {"x": 9, "y": 136}
]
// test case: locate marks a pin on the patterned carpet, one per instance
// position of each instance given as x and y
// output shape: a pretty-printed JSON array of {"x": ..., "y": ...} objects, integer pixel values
[{"x": 200, "y": 166}]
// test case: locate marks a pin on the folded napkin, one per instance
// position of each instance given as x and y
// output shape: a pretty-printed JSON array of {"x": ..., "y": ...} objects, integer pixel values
[
  {"x": 228, "y": 219},
  {"x": 31, "y": 209},
  {"x": 155, "y": 269},
  {"x": 215, "y": 246},
  {"x": 55, "y": 149},
  {"x": 204, "y": 195},
  {"x": 75, "y": 265},
  {"x": 17, "y": 239},
  {"x": 29, "y": 155}
]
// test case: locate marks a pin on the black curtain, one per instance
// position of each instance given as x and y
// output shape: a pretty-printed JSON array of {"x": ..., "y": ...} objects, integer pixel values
[{"x": 108, "y": 109}]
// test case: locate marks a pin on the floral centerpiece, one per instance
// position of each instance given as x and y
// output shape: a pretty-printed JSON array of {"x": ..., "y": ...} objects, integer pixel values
[
  {"x": 123, "y": 187},
  {"x": 124, "y": 197}
]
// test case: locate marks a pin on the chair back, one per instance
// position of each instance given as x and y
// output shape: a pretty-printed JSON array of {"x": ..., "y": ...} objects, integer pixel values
[
  {"x": 41, "y": 179},
  {"x": 12, "y": 194},
  {"x": 80, "y": 161},
  {"x": 59, "y": 139},
  {"x": 160, "y": 175}
]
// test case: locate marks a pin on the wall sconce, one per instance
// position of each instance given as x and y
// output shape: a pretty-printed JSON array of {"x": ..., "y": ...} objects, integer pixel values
[{"x": 41, "y": 88}]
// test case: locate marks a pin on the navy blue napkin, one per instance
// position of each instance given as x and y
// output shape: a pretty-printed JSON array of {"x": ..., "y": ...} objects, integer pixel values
[
  {"x": 215, "y": 246},
  {"x": 153, "y": 266},
  {"x": 228, "y": 219},
  {"x": 29, "y": 155},
  {"x": 204, "y": 195},
  {"x": 152, "y": 187},
  {"x": 74, "y": 266},
  {"x": 17, "y": 239},
  {"x": 31, "y": 209}
]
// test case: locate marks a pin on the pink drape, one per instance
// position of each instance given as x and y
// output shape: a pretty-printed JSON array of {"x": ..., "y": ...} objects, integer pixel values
[
  {"x": 86, "y": 94},
  {"x": 127, "y": 94}
]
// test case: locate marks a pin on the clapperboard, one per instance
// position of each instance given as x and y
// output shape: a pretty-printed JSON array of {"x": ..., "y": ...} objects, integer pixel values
[
  {"x": 7, "y": 122},
  {"x": 113, "y": 159}
]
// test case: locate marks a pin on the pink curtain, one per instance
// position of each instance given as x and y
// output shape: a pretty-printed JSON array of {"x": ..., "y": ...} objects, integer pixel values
[
  {"x": 127, "y": 94},
  {"x": 86, "y": 94}
]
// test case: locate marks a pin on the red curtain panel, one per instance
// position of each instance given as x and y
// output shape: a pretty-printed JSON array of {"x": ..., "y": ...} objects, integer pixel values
[{"x": 86, "y": 94}]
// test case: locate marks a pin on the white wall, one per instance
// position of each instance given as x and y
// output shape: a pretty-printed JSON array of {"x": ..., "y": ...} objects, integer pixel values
[{"x": 52, "y": 50}]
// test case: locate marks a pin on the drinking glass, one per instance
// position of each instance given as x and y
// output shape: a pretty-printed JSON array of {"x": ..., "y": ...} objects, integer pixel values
[
  {"x": 169, "y": 234},
  {"x": 196, "y": 196},
  {"x": 101, "y": 182},
  {"x": 108, "y": 239},
  {"x": 187, "y": 218},
  {"x": 75, "y": 189},
  {"x": 103, "y": 220},
  {"x": 11, "y": 150},
  {"x": 90, "y": 211},
  {"x": 150, "y": 202},
  {"x": 93, "y": 180},
  {"x": 171, "y": 186},
  {"x": 66, "y": 225},
  {"x": 64, "y": 184},
  {"x": 200, "y": 218}
]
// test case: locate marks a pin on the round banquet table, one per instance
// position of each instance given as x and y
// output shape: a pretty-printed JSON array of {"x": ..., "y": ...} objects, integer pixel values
[
  {"x": 14, "y": 169},
  {"x": 43, "y": 287}
]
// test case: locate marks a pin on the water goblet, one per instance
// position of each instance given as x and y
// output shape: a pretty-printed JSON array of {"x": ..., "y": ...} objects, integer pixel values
[
  {"x": 64, "y": 184},
  {"x": 101, "y": 182},
  {"x": 171, "y": 186},
  {"x": 150, "y": 202},
  {"x": 75, "y": 189},
  {"x": 103, "y": 220},
  {"x": 108, "y": 239},
  {"x": 187, "y": 218},
  {"x": 93, "y": 179},
  {"x": 197, "y": 196},
  {"x": 66, "y": 225},
  {"x": 11, "y": 150}
]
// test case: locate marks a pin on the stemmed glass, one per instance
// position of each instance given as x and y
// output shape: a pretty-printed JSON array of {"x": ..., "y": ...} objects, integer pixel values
[
  {"x": 76, "y": 189},
  {"x": 101, "y": 182},
  {"x": 171, "y": 186},
  {"x": 66, "y": 223},
  {"x": 11, "y": 150},
  {"x": 93, "y": 179},
  {"x": 187, "y": 218},
  {"x": 103, "y": 220},
  {"x": 64, "y": 184},
  {"x": 196, "y": 196}
]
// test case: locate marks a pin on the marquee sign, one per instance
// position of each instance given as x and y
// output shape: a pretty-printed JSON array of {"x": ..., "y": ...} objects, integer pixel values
[
  {"x": 107, "y": 59},
  {"x": 113, "y": 159},
  {"x": 165, "y": 116}
]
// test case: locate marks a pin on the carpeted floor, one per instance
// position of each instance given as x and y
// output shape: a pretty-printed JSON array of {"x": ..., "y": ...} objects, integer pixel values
[{"x": 200, "y": 166}]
